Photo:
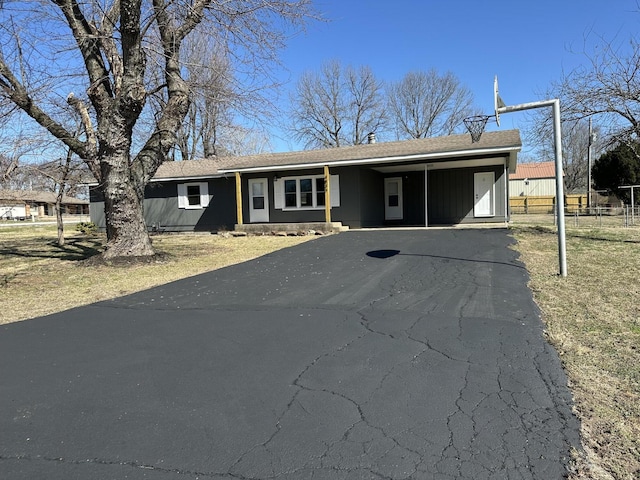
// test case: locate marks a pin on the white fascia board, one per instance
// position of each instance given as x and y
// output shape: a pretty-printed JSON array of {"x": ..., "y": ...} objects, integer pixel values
[
  {"x": 374, "y": 161},
  {"x": 172, "y": 179},
  {"x": 186, "y": 179}
]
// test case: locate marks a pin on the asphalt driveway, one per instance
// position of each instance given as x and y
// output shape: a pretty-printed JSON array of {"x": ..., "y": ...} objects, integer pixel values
[{"x": 365, "y": 355}]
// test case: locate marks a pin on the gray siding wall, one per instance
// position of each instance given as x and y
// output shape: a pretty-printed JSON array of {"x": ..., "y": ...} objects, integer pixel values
[
  {"x": 412, "y": 199},
  {"x": 451, "y": 196},
  {"x": 372, "y": 198},
  {"x": 161, "y": 208},
  {"x": 347, "y": 212}
]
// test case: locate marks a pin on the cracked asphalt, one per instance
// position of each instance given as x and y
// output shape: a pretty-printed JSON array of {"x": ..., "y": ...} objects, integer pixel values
[{"x": 410, "y": 354}]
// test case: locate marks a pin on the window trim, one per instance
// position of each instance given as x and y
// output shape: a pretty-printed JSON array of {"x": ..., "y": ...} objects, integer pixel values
[
  {"x": 183, "y": 197},
  {"x": 280, "y": 192}
]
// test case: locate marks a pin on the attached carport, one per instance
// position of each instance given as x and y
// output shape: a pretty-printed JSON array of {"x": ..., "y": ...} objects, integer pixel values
[{"x": 421, "y": 182}]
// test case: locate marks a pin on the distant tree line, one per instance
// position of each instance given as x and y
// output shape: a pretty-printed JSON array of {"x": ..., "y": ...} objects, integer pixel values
[
  {"x": 606, "y": 89},
  {"x": 341, "y": 105}
]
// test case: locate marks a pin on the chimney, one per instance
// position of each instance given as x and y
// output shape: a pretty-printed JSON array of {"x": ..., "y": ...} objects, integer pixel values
[{"x": 371, "y": 138}]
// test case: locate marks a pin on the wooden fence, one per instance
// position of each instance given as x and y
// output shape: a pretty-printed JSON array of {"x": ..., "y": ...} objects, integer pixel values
[{"x": 546, "y": 203}]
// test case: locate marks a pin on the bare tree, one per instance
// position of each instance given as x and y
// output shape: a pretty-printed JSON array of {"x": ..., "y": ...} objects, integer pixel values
[
  {"x": 8, "y": 167},
  {"x": 63, "y": 177},
  {"x": 17, "y": 152},
  {"x": 427, "y": 104},
  {"x": 209, "y": 73},
  {"x": 607, "y": 88},
  {"x": 575, "y": 147},
  {"x": 337, "y": 106},
  {"x": 109, "y": 42}
]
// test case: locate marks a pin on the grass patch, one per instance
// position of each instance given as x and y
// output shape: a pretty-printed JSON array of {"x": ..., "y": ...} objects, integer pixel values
[
  {"x": 593, "y": 320},
  {"x": 38, "y": 278}
]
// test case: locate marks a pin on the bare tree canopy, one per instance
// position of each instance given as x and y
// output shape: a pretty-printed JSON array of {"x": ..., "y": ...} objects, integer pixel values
[
  {"x": 427, "y": 104},
  {"x": 101, "y": 49},
  {"x": 211, "y": 127},
  {"x": 575, "y": 146},
  {"x": 607, "y": 88},
  {"x": 337, "y": 106}
]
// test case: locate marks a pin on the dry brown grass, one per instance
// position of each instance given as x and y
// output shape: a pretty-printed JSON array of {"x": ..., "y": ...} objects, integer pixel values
[
  {"x": 593, "y": 320},
  {"x": 37, "y": 277}
]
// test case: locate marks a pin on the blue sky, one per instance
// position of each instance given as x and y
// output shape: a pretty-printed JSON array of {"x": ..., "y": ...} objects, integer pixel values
[{"x": 528, "y": 44}]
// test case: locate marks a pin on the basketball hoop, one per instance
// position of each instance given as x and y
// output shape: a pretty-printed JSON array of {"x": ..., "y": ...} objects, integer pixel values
[{"x": 475, "y": 125}]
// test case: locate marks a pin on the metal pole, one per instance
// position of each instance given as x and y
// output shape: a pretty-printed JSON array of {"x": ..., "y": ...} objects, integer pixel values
[
  {"x": 562, "y": 244},
  {"x": 555, "y": 104},
  {"x": 589, "y": 166},
  {"x": 633, "y": 218}
]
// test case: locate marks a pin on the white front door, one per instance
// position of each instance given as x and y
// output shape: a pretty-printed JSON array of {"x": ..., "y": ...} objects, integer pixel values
[
  {"x": 393, "y": 198},
  {"x": 484, "y": 189},
  {"x": 258, "y": 200}
]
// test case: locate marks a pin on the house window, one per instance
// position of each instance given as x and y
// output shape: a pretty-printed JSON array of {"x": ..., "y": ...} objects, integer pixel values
[
  {"x": 304, "y": 192},
  {"x": 320, "y": 192},
  {"x": 193, "y": 195},
  {"x": 291, "y": 193}
]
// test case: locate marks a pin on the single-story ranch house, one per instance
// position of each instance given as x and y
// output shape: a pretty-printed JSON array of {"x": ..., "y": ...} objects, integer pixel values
[
  {"x": 423, "y": 182},
  {"x": 23, "y": 204}
]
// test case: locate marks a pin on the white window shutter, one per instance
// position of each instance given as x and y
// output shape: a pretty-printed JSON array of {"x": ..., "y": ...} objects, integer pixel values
[
  {"x": 278, "y": 194},
  {"x": 204, "y": 194},
  {"x": 182, "y": 195},
  {"x": 334, "y": 191}
]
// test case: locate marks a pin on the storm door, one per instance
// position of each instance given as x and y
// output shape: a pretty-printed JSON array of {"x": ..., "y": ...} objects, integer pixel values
[
  {"x": 258, "y": 200},
  {"x": 393, "y": 198}
]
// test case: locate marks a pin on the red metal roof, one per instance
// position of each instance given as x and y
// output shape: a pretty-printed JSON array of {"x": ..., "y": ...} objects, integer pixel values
[{"x": 534, "y": 170}]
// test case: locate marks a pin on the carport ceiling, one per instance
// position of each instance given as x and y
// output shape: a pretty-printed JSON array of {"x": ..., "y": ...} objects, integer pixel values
[{"x": 477, "y": 162}]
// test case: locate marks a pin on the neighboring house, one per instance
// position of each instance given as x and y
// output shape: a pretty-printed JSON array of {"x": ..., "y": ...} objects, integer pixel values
[
  {"x": 533, "y": 180},
  {"x": 423, "y": 182},
  {"x": 22, "y": 204}
]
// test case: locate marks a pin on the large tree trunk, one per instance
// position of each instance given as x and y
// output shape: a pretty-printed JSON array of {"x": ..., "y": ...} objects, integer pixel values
[
  {"x": 123, "y": 193},
  {"x": 127, "y": 234}
]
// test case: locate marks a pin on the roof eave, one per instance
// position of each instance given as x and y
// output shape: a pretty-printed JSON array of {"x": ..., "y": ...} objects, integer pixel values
[
  {"x": 374, "y": 161},
  {"x": 190, "y": 177},
  {"x": 172, "y": 179}
]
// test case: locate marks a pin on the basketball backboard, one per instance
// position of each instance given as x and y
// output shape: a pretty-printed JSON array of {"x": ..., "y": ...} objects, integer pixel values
[{"x": 497, "y": 101}]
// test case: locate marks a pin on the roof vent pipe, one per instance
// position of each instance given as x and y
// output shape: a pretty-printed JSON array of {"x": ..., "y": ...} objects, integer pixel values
[{"x": 371, "y": 138}]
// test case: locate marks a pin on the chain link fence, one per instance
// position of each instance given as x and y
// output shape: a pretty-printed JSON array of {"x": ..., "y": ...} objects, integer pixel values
[{"x": 594, "y": 217}]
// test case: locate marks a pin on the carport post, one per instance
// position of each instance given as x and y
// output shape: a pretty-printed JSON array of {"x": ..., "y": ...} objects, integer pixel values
[
  {"x": 238, "y": 198},
  {"x": 327, "y": 195},
  {"x": 555, "y": 104}
]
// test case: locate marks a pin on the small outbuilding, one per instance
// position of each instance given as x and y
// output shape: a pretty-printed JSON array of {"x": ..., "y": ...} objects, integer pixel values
[{"x": 533, "y": 180}]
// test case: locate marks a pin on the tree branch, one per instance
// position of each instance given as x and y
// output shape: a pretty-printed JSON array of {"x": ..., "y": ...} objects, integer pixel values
[
  {"x": 87, "y": 39},
  {"x": 92, "y": 143},
  {"x": 16, "y": 92}
]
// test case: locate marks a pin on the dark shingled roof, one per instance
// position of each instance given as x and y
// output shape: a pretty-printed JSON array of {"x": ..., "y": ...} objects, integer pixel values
[{"x": 427, "y": 148}]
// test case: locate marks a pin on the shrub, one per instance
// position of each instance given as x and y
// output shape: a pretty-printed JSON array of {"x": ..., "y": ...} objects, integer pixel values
[{"x": 88, "y": 228}]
